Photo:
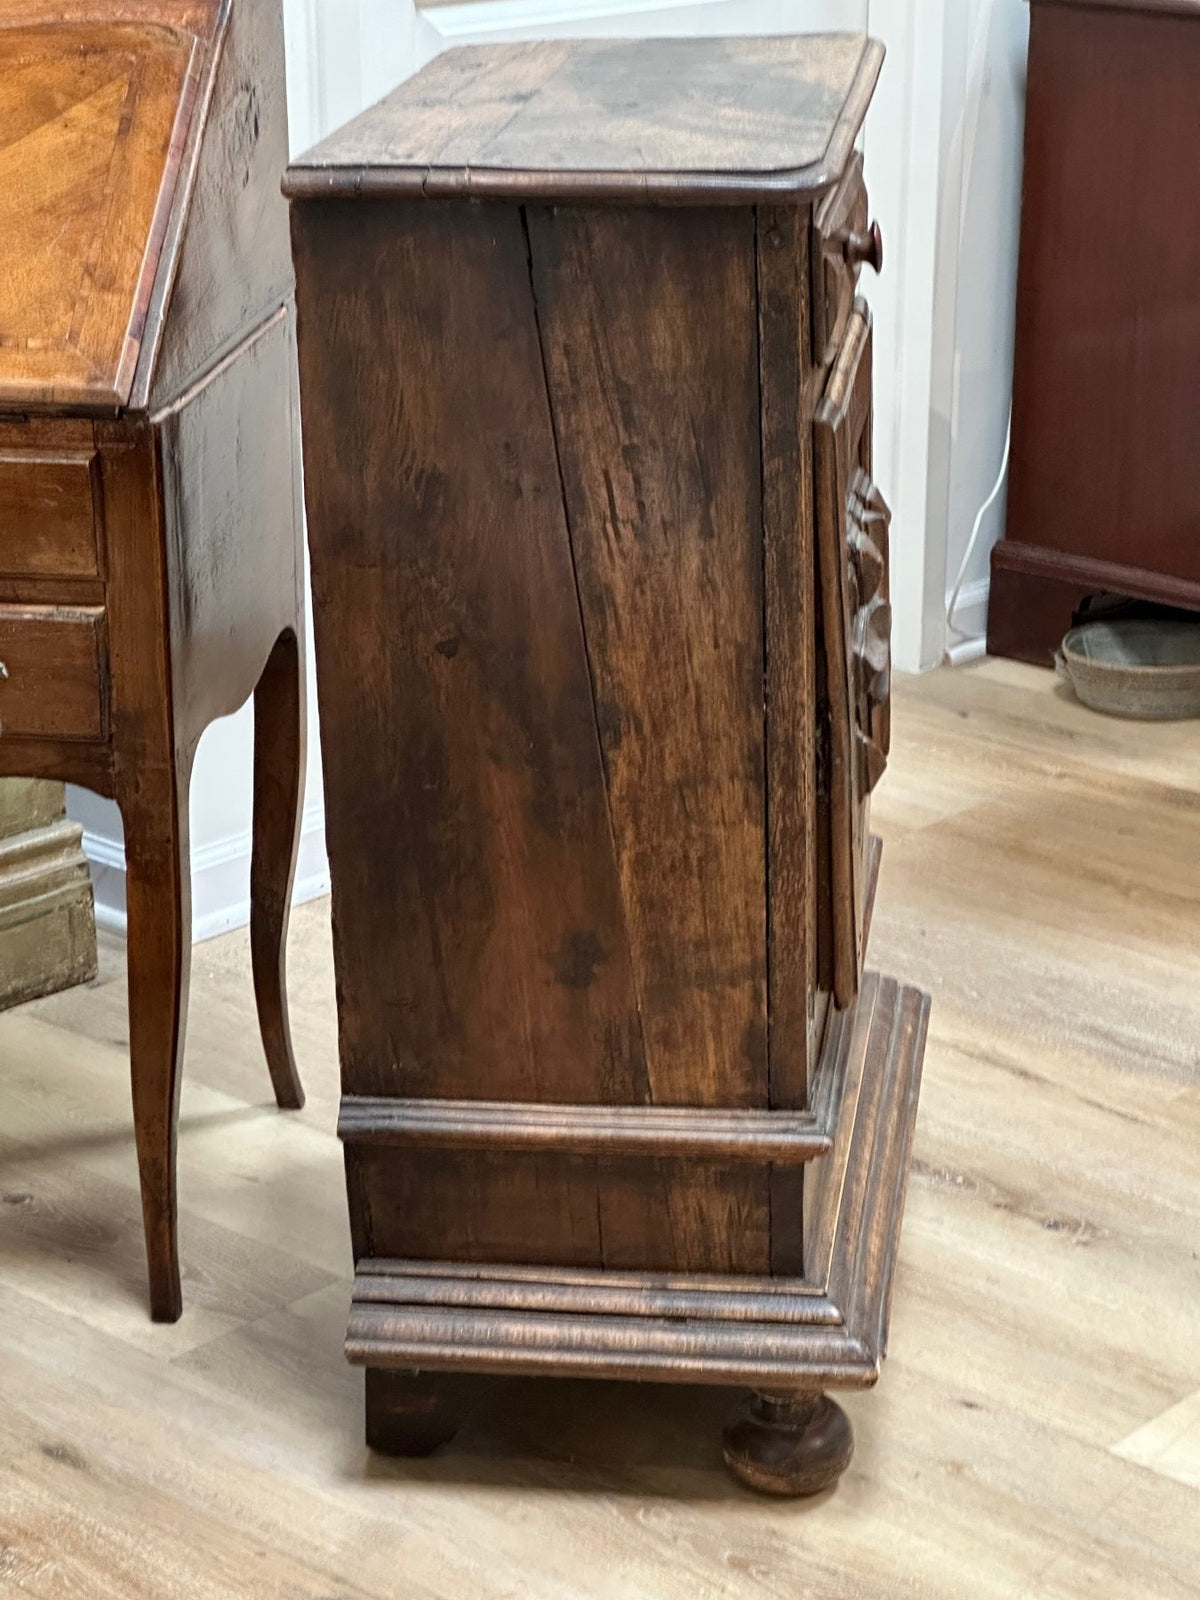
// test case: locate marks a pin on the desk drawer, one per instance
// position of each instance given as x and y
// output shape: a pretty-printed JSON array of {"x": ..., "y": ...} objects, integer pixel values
[
  {"x": 49, "y": 511},
  {"x": 53, "y": 672}
]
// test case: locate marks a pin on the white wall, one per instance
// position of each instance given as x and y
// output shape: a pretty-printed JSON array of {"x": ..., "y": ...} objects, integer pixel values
[
  {"x": 983, "y": 112},
  {"x": 942, "y": 148}
]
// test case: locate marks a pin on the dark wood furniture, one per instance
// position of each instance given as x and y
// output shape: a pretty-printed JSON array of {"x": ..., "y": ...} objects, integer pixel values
[
  {"x": 150, "y": 556},
  {"x": 601, "y": 606},
  {"x": 1104, "y": 497}
]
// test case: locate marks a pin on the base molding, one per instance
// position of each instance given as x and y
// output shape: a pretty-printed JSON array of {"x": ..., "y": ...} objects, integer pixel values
[
  {"x": 776, "y": 1334},
  {"x": 782, "y": 1138},
  {"x": 1036, "y": 591},
  {"x": 47, "y": 929}
]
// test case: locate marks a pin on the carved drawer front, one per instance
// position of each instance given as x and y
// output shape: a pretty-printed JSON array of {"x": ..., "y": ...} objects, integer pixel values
[
  {"x": 843, "y": 239},
  {"x": 52, "y": 672},
  {"x": 852, "y": 539},
  {"x": 49, "y": 501}
]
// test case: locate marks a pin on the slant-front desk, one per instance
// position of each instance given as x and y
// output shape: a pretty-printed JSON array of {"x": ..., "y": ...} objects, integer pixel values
[
  {"x": 150, "y": 550},
  {"x": 601, "y": 581}
]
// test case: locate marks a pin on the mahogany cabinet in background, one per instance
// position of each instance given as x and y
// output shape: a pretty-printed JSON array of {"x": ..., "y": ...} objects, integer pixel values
[
  {"x": 150, "y": 554},
  {"x": 1104, "y": 493},
  {"x": 601, "y": 597}
]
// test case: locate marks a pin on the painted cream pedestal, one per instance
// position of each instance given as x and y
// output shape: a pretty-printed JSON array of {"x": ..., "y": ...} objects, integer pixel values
[{"x": 47, "y": 929}]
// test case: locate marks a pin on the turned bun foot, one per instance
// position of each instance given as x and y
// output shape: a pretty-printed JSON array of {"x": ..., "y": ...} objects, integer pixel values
[
  {"x": 789, "y": 1444},
  {"x": 410, "y": 1413}
]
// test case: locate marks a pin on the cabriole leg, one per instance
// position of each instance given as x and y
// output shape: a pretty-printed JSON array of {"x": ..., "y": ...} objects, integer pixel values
[{"x": 280, "y": 729}]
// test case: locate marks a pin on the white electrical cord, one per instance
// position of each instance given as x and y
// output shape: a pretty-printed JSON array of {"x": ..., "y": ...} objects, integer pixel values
[
  {"x": 968, "y": 130},
  {"x": 973, "y": 540}
]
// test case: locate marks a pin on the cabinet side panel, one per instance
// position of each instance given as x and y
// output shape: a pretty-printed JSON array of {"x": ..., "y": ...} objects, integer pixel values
[
  {"x": 456, "y": 1205},
  {"x": 478, "y": 934},
  {"x": 539, "y": 1209},
  {"x": 649, "y": 326}
]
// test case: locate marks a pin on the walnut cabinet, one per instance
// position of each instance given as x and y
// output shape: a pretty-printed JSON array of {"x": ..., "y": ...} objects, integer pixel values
[{"x": 601, "y": 591}]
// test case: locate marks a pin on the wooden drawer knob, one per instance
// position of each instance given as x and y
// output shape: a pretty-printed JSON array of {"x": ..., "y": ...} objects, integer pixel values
[{"x": 864, "y": 249}]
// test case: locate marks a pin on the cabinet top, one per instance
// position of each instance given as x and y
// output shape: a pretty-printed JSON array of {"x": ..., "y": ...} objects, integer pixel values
[
  {"x": 1183, "y": 8},
  {"x": 96, "y": 103},
  {"x": 718, "y": 120}
]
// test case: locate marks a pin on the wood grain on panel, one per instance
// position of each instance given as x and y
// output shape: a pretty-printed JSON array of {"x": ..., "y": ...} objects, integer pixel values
[
  {"x": 790, "y": 624},
  {"x": 649, "y": 326},
  {"x": 198, "y": 17},
  {"x": 540, "y": 1207},
  {"x": 785, "y": 378},
  {"x": 479, "y": 928},
  {"x": 473, "y": 1205},
  {"x": 93, "y": 118},
  {"x": 53, "y": 672},
  {"x": 50, "y": 510}
]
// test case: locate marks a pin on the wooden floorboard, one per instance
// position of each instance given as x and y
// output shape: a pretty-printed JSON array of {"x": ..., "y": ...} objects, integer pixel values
[{"x": 1037, "y": 1428}]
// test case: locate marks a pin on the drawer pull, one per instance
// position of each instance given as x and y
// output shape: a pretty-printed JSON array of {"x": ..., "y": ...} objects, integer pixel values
[
  {"x": 864, "y": 249},
  {"x": 3, "y": 671}
]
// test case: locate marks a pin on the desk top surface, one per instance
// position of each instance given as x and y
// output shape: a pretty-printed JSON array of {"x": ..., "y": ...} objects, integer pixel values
[
  {"x": 94, "y": 113},
  {"x": 621, "y": 119}
]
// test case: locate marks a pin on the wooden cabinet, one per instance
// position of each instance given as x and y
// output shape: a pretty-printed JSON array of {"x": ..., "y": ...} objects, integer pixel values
[
  {"x": 601, "y": 603},
  {"x": 1104, "y": 491},
  {"x": 150, "y": 559}
]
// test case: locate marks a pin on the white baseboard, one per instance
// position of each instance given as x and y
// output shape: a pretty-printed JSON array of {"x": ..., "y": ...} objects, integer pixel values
[
  {"x": 966, "y": 650},
  {"x": 966, "y": 638},
  {"x": 220, "y": 879}
]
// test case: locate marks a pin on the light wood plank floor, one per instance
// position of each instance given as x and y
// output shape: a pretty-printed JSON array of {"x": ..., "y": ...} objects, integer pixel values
[{"x": 1037, "y": 1429}]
